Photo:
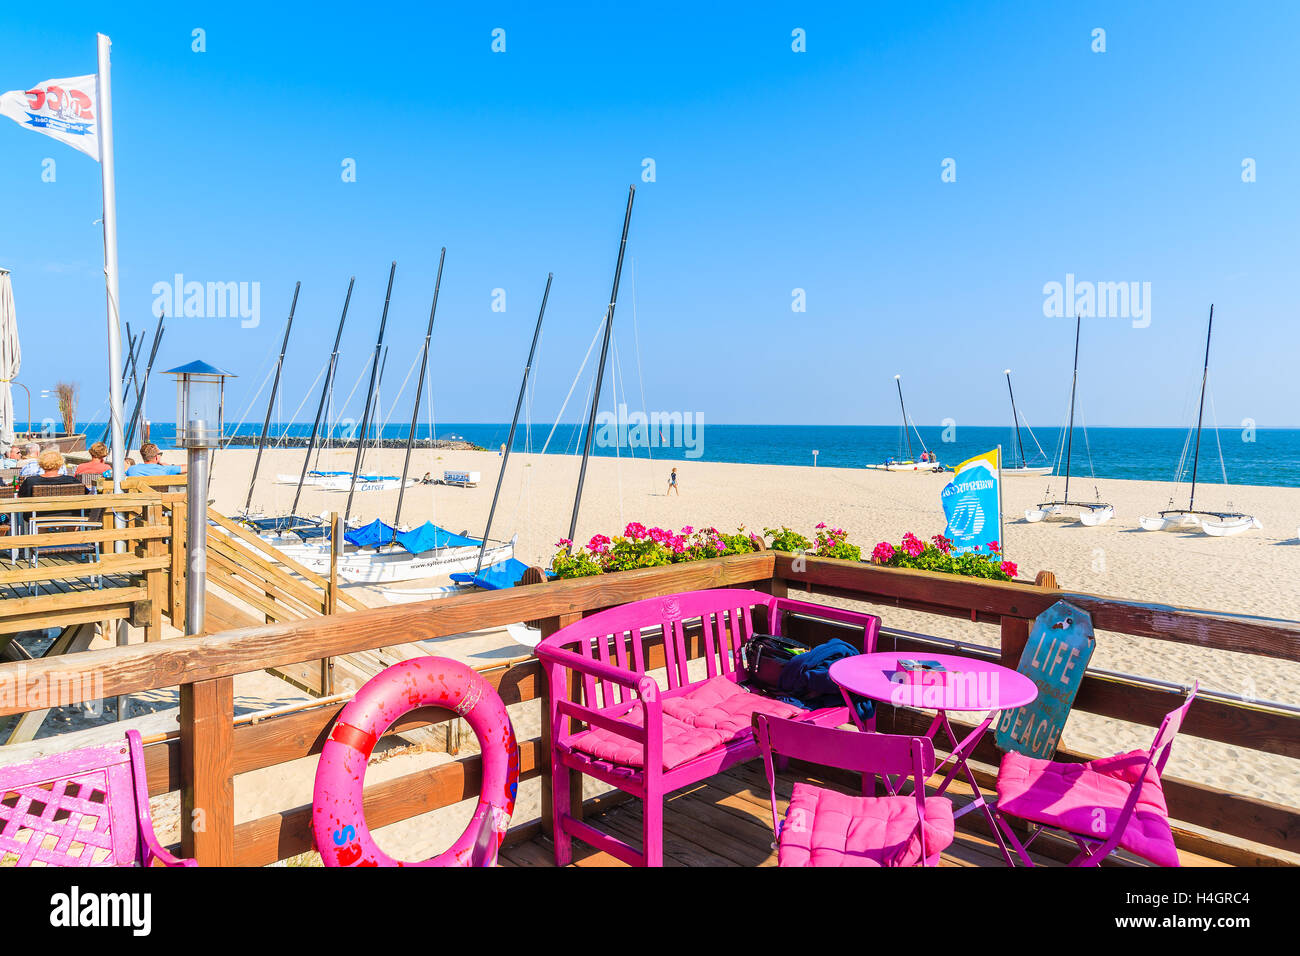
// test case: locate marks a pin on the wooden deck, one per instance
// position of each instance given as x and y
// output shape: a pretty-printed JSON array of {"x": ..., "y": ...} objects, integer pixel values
[{"x": 727, "y": 821}]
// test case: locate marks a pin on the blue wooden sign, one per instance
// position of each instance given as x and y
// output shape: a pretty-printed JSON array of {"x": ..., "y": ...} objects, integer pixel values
[{"x": 1057, "y": 653}]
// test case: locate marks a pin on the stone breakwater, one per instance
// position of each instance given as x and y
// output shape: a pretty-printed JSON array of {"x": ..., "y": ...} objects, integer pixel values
[{"x": 453, "y": 444}]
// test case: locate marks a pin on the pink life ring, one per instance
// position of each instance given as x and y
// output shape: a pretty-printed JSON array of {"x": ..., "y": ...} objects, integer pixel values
[{"x": 337, "y": 817}]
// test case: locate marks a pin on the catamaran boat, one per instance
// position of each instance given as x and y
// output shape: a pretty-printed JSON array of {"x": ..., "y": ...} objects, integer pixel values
[
  {"x": 910, "y": 463},
  {"x": 1023, "y": 469},
  {"x": 377, "y": 553},
  {"x": 1214, "y": 523},
  {"x": 1090, "y": 513}
]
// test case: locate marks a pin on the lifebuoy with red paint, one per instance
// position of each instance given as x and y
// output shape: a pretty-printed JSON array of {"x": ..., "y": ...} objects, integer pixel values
[{"x": 337, "y": 816}]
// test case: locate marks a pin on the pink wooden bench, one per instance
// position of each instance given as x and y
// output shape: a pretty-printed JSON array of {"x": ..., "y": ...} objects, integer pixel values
[
  {"x": 85, "y": 808},
  {"x": 648, "y": 741}
]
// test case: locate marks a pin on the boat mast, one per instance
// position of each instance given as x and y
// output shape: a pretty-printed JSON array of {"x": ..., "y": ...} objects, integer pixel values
[
  {"x": 1069, "y": 445},
  {"x": 600, "y": 369},
  {"x": 270, "y": 404},
  {"x": 326, "y": 390},
  {"x": 1200, "y": 415},
  {"x": 137, "y": 415},
  {"x": 126, "y": 367},
  {"x": 419, "y": 389},
  {"x": 1016, "y": 419},
  {"x": 370, "y": 395},
  {"x": 898, "y": 380},
  {"x": 510, "y": 438}
]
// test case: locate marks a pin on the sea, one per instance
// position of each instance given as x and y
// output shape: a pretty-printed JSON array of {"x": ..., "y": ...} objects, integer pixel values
[{"x": 1265, "y": 456}]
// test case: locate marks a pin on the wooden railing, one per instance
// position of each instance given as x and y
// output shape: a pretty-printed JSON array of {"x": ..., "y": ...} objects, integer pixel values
[
  {"x": 212, "y": 747},
  {"x": 144, "y": 558}
]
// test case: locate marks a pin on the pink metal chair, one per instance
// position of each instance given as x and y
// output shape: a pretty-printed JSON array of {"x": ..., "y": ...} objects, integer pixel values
[
  {"x": 1103, "y": 805},
  {"x": 610, "y": 719},
  {"x": 89, "y": 807},
  {"x": 828, "y": 828}
]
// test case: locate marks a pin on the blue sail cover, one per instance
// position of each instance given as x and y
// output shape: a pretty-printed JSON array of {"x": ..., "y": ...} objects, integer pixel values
[
  {"x": 371, "y": 535},
  {"x": 429, "y": 536},
  {"x": 495, "y": 577}
]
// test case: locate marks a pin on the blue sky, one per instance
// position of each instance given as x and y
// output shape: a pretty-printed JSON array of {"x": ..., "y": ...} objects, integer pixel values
[{"x": 775, "y": 170}]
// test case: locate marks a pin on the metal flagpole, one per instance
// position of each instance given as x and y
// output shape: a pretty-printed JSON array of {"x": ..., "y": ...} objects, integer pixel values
[
  {"x": 419, "y": 390},
  {"x": 275, "y": 387},
  {"x": 510, "y": 439},
  {"x": 600, "y": 369},
  {"x": 109, "y": 181}
]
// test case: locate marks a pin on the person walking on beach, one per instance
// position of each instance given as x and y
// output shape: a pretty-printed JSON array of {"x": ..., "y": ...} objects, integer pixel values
[{"x": 672, "y": 484}]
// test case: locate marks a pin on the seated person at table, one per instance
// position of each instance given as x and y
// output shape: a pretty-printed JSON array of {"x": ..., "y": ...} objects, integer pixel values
[
  {"x": 29, "y": 464},
  {"x": 51, "y": 473},
  {"x": 97, "y": 464},
  {"x": 152, "y": 464},
  {"x": 6, "y": 455}
]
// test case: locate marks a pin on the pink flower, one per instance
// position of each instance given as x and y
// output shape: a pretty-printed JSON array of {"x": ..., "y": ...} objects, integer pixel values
[
  {"x": 942, "y": 543},
  {"x": 687, "y": 529},
  {"x": 884, "y": 551},
  {"x": 913, "y": 545},
  {"x": 635, "y": 530},
  {"x": 563, "y": 543},
  {"x": 598, "y": 544},
  {"x": 822, "y": 524},
  {"x": 993, "y": 546},
  {"x": 1009, "y": 568}
]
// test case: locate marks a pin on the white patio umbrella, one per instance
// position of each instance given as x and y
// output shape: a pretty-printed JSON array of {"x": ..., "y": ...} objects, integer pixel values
[{"x": 11, "y": 355}]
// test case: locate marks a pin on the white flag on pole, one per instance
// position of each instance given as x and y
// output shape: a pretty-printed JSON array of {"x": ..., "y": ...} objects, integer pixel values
[{"x": 65, "y": 109}]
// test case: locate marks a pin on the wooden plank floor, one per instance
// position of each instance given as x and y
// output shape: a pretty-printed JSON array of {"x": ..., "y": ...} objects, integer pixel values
[
  {"x": 727, "y": 821},
  {"x": 60, "y": 585}
]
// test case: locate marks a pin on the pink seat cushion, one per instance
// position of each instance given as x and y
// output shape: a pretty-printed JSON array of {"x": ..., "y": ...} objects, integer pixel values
[
  {"x": 724, "y": 706},
  {"x": 682, "y": 742},
  {"x": 828, "y": 828},
  {"x": 1086, "y": 798}
]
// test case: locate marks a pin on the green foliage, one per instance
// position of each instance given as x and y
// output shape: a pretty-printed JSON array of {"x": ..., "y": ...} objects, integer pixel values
[{"x": 787, "y": 540}]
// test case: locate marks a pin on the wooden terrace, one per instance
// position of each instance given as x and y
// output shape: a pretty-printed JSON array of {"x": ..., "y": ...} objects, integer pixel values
[{"x": 724, "y": 819}]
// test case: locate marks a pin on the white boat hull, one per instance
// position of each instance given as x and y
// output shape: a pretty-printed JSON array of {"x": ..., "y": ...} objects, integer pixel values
[
  {"x": 391, "y": 566},
  {"x": 1027, "y": 472},
  {"x": 1230, "y": 526},
  {"x": 907, "y": 466},
  {"x": 412, "y": 595},
  {"x": 1091, "y": 517},
  {"x": 382, "y": 484},
  {"x": 1170, "y": 523},
  {"x": 1095, "y": 516}
]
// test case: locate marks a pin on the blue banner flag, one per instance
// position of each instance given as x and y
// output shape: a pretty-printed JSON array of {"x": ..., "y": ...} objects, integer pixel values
[{"x": 972, "y": 503}]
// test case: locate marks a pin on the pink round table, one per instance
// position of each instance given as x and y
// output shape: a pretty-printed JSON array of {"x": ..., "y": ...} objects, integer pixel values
[{"x": 970, "y": 684}]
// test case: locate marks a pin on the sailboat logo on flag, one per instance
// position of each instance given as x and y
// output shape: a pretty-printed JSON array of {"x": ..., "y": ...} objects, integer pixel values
[
  {"x": 972, "y": 503},
  {"x": 64, "y": 109}
]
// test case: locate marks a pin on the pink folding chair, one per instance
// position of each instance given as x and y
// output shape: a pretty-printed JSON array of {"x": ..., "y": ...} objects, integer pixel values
[
  {"x": 828, "y": 828},
  {"x": 1103, "y": 805},
  {"x": 85, "y": 808}
]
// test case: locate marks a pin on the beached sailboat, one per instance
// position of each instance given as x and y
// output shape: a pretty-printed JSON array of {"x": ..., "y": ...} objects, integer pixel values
[
  {"x": 910, "y": 463},
  {"x": 1023, "y": 469},
  {"x": 293, "y": 529},
  {"x": 1091, "y": 513},
  {"x": 1215, "y": 523}
]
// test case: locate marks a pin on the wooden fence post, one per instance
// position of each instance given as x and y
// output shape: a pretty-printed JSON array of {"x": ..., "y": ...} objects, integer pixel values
[
  {"x": 207, "y": 771},
  {"x": 153, "y": 577}
]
